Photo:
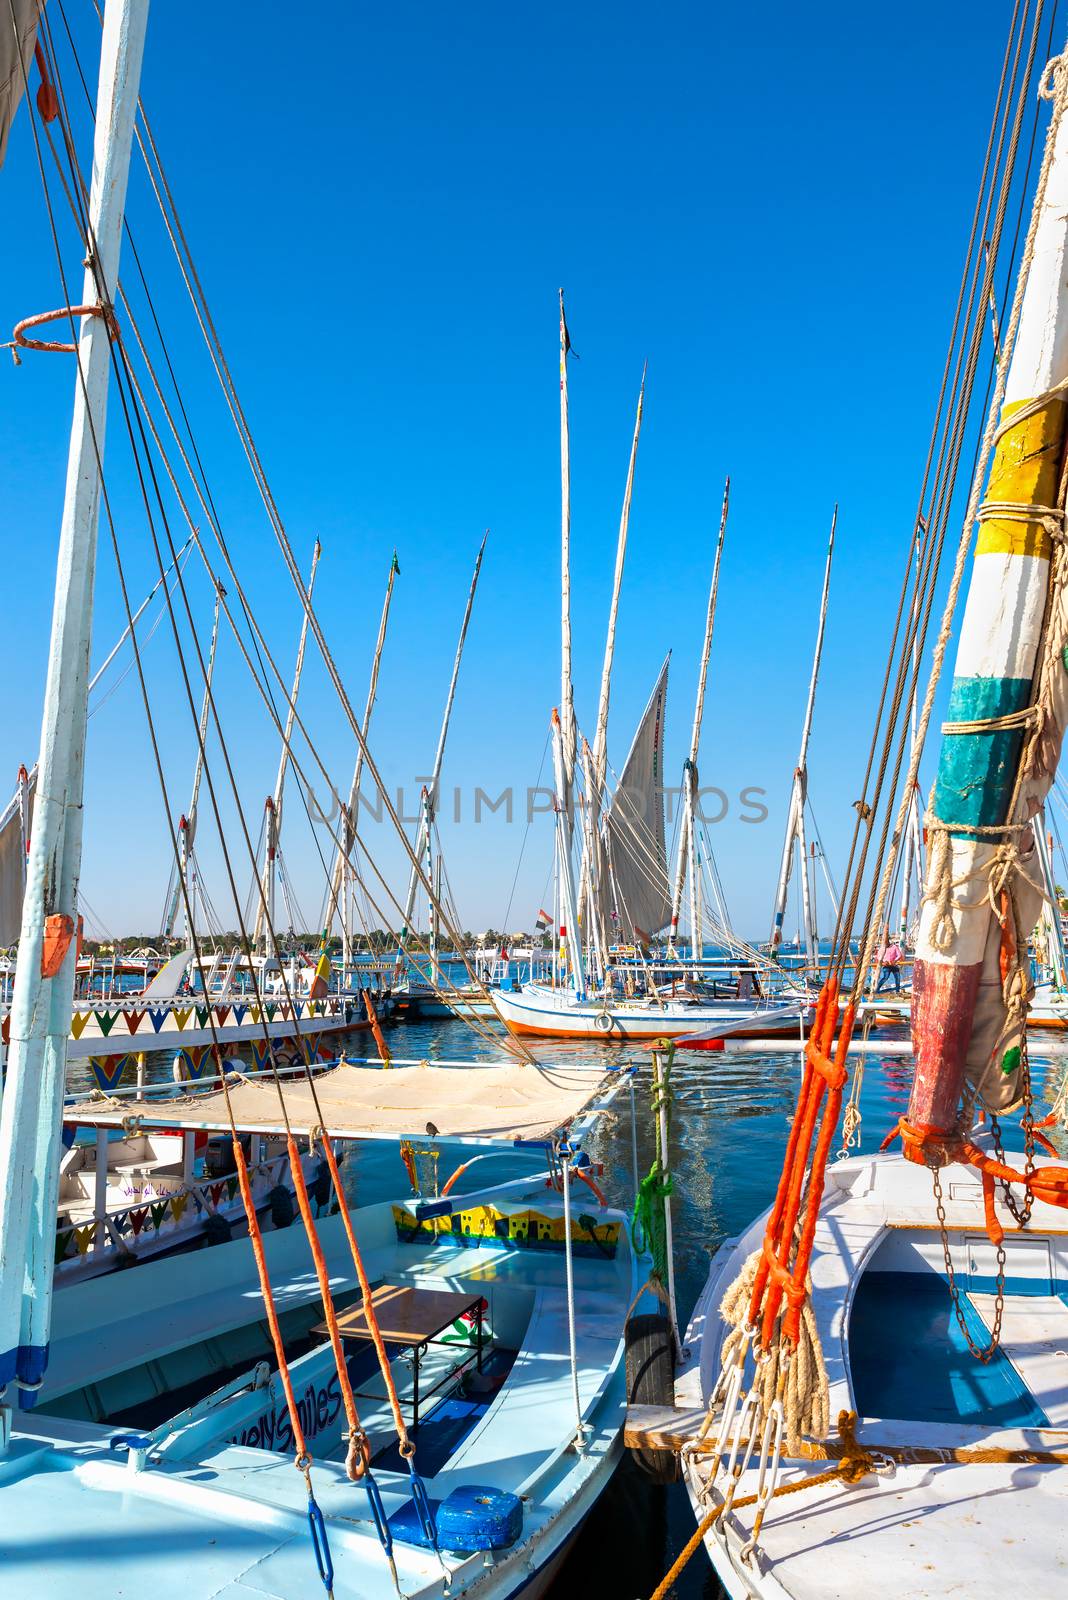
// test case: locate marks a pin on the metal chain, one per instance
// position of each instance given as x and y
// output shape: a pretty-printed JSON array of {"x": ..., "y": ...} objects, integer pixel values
[
  {"x": 980, "y": 1354},
  {"x": 1022, "y": 1214}
]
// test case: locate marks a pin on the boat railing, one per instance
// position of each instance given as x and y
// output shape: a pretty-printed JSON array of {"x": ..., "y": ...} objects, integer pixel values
[{"x": 170, "y": 1215}]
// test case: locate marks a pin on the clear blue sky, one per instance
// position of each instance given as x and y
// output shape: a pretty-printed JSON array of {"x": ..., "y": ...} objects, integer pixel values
[{"x": 770, "y": 205}]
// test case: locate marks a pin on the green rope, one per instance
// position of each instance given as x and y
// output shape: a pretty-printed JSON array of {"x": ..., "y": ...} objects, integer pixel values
[{"x": 648, "y": 1225}]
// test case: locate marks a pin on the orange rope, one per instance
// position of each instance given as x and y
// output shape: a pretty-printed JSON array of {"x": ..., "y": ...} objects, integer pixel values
[
  {"x": 933, "y": 1147},
  {"x": 822, "y": 1084},
  {"x": 359, "y": 1456},
  {"x": 256, "y": 1239},
  {"x": 372, "y": 1017},
  {"x": 407, "y": 1448}
]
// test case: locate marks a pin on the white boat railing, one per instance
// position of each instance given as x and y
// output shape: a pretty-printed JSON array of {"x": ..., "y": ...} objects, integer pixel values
[{"x": 173, "y": 1214}]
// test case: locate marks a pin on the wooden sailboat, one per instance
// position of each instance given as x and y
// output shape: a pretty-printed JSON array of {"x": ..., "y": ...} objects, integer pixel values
[
  {"x": 109, "y": 1483},
  {"x": 886, "y": 1354}
]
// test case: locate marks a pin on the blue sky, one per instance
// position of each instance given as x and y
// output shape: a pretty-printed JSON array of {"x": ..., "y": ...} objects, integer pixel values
[{"x": 770, "y": 206}]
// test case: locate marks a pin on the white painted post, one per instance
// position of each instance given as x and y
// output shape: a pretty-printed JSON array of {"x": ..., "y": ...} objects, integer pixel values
[
  {"x": 41, "y": 1008},
  {"x": 100, "y": 1190}
]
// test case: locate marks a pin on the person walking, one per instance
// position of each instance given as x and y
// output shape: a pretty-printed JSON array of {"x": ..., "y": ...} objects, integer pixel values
[{"x": 890, "y": 970}]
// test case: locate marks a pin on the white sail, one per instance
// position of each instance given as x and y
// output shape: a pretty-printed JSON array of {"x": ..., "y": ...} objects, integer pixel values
[
  {"x": 636, "y": 896},
  {"x": 18, "y": 35}
]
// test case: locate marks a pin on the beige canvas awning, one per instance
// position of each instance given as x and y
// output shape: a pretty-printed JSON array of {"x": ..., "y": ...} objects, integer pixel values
[{"x": 505, "y": 1102}]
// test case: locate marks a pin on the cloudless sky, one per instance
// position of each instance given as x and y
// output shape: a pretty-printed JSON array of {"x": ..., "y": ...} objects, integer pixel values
[{"x": 769, "y": 204}]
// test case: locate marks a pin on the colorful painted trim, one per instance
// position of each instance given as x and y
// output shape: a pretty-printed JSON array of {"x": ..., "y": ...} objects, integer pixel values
[{"x": 476, "y": 1226}]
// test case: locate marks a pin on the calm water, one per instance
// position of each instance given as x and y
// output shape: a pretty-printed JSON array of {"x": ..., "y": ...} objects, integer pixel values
[{"x": 729, "y": 1133}]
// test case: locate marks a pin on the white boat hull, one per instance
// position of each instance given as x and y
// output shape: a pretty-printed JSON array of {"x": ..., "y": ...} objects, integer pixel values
[
  {"x": 554, "y": 1014},
  {"x": 978, "y": 1527}
]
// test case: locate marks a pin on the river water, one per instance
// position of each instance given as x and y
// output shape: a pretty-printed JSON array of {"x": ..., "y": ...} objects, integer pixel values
[{"x": 730, "y": 1124}]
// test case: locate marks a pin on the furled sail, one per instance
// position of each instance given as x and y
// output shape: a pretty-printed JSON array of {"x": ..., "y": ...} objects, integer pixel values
[
  {"x": 14, "y": 831},
  {"x": 634, "y": 893},
  {"x": 18, "y": 35}
]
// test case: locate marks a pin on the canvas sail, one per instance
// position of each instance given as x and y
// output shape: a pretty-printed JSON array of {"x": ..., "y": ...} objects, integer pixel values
[
  {"x": 14, "y": 826},
  {"x": 634, "y": 894},
  {"x": 18, "y": 35}
]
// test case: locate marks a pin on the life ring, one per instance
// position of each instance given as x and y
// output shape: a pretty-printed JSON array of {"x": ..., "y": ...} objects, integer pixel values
[{"x": 603, "y": 1021}]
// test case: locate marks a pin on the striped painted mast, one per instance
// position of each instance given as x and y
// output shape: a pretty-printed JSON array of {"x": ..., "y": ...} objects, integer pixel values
[
  {"x": 265, "y": 922},
  {"x": 597, "y": 769},
  {"x": 44, "y": 978},
  {"x": 795, "y": 822},
  {"x": 341, "y": 877},
  {"x": 568, "y": 734},
  {"x": 687, "y": 857},
  {"x": 426, "y": 814},
  {"x": 963, "y": 1031}
]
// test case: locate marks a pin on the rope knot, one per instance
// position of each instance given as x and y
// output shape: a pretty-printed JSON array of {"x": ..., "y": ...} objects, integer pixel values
[
  {"x": 856, "y": 1462},
  {"x": 1053, "y": 78}
]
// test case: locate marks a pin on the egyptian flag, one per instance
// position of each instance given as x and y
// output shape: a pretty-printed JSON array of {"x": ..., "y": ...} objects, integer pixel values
[
  {"x": 544, "y": 921},
  {"x": 322, "y": 971}
]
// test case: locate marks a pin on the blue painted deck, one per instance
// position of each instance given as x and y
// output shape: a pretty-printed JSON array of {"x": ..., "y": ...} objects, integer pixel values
[{"x": 910, "y": 1361}]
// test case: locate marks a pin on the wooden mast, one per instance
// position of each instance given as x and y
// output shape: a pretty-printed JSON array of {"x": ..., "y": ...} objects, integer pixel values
[
  {"x": 265, "y": 920},
  {"x": 597, "y": 769},
  {"x": 687, "y": 856},
  {"x": 426, "y": 814},
  {"x": 568, "y": 736},
  {"x": 44, "y": 979},
  {"x": 341, "y": 878},
  {"x": 795, "y": 822},
  {"x": 969, "y": 1009}
]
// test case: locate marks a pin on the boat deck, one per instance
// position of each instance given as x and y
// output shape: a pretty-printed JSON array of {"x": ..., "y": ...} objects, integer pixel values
[{"x": 934, "y": 1527}]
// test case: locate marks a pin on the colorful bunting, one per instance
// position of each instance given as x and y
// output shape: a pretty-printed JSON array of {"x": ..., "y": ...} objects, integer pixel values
[{"x": 108, "y": 1071}]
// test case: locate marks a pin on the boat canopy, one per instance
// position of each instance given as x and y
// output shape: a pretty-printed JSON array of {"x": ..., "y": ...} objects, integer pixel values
[{"x": 505, "y": 1102}]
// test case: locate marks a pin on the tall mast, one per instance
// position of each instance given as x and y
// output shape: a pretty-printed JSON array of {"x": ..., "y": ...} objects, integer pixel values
[
  {"x": 596, "y": 770},
  {"x": 795, "y": 822},
  {"x": 175, "y": 566},
  {"x": 265, "y": 906},
  {"x": 962, "y": 1027},
  {"x": 568, "y": 736},
  {"x": 340, "y": 881},
  {"x": 187, "y": 825},
  {"x": 439, "y": 754},
  {"x": 567, "y": 882},
  {"x": 687, "y": 849},
  {"x": 43, "y": 996}
]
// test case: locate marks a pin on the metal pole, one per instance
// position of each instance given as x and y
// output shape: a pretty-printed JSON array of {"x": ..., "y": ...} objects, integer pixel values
[
  {"x": 42, "y": 1004},
  {"x": 565, "y": 1168}
]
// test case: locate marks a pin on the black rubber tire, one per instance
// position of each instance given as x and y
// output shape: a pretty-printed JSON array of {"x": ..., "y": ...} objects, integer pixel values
[{"x": 650, "y": 1352}]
